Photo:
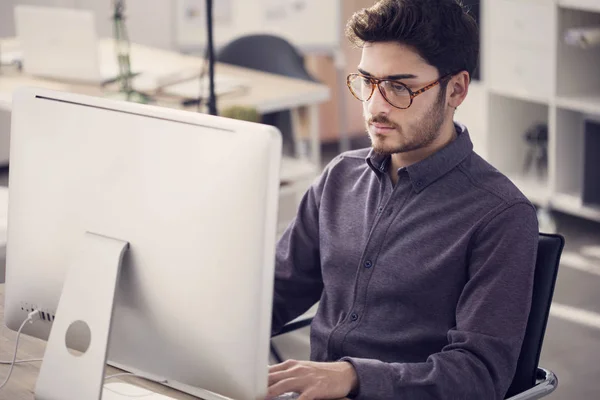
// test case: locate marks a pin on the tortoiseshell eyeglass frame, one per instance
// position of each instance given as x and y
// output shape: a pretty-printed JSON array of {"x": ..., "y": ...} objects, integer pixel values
[{"x": 377, "y": 82}]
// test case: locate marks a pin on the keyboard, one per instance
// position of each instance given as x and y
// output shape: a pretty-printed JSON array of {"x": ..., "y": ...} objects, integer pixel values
[{"x": 287, "y": 396}]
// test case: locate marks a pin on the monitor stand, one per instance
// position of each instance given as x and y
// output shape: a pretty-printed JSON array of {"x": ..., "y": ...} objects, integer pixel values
[
  {"x": 84, "y": 315},
  {"x": 84, "y": 319}
]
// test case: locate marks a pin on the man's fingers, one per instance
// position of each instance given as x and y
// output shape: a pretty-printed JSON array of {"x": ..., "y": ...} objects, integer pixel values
[
  {"x": 283, "y": 366},
  {"x": 275, "y": 377},
  {"x": 284, "y": 386}
]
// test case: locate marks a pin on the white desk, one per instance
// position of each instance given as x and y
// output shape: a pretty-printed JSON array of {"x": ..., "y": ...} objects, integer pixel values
[{"x": 265, "y": 92}]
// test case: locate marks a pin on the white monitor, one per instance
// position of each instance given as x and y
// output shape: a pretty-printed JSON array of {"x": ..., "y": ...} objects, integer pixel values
[
  {"x": 194, "y": 195},
  {"x": 62, "y": 43}
]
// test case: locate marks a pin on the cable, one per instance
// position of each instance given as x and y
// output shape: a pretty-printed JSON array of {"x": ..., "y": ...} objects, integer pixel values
[
  {"x": 201, "y": 96},
  {"x": 35, "y": 316},
  {"x": 22, "y": 361},
  {"x": 31, "y": 317},
  {"x": 199, "y": 101}
]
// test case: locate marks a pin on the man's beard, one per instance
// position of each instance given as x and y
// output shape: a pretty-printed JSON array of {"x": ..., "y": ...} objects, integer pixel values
[{"x": 426, "y": 131}]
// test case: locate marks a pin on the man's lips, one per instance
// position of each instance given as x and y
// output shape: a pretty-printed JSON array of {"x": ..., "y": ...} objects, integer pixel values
[{"x": 381, "y": 128}]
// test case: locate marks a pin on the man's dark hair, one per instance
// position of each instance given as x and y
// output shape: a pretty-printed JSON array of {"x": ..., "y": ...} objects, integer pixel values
[{"x": 441, "y": 31}]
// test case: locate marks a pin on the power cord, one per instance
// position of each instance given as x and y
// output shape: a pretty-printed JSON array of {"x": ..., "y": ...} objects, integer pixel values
[
  {"x": 199, "y": 101},
  {"x": 31, "y": 318},
  {"x": 22, "y": 361},
  {"x": 201, "y": 96},
  {"x": 35, "y": 316}
]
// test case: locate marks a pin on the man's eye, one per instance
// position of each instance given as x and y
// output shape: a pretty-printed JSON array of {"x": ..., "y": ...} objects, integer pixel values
[{"x": 398, "y": 88}]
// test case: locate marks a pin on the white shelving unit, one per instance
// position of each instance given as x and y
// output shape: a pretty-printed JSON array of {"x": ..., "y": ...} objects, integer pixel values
[
  {"x": 530, "y": 75},
  {"x": 586, "y": 5}
]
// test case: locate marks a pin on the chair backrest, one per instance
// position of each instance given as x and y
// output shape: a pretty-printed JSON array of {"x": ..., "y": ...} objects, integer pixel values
[
  {"x": 266, "y": 53},
  {"x": 546, "y": 269},
  {"x": 270, "y": 54}
]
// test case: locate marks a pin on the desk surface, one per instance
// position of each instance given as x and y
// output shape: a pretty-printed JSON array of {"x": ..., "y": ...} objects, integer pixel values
[
  {"x": 266, "y": 92},
  {"x": 21, "y": 385}
]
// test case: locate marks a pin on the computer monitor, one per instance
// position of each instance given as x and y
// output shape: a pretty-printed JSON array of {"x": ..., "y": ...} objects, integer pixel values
[
  {"x": 194, "y": 195},
  {"x": 62, "y": 43}
]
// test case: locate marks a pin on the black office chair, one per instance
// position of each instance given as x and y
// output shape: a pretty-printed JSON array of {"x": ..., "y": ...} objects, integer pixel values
[
  {"x": 530, "y": 381},
  {"x": 269, "y": 54}
]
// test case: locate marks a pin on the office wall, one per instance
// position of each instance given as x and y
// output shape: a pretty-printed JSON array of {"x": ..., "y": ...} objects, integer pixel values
[
  {"x": 149, "y": 22},
  {"x": 7, "y": 26},
  {"x": 285, "y": 18}
]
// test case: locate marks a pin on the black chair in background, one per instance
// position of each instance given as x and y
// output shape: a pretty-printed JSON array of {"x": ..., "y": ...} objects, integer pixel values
[
  {"x": 272, "y": 54},
  {"x": 530, "y": 381}
]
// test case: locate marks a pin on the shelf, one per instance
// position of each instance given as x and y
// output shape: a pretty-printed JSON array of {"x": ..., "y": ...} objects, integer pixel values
[
  {"x": 536, "y": 191},
  {"x": 540, "y": 80},
  {"x": 584, "y": 5},
  {"x": 589, "y": 104},
  {"x": 509, "y": 120},
  {"x": 520, "y": 95},
  {"x": 572, "y": 204}
]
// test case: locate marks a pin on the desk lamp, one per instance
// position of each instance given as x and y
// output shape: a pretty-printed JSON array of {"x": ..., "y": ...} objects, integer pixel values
[{"x": 122, "y": 47}]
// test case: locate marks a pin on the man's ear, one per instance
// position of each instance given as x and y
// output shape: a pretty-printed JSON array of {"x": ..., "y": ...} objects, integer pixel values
[{"x": 457, "y": 89}]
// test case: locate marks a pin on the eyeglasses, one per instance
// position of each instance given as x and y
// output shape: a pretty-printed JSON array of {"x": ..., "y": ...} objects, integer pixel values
[{"x": 394, "y": 92}]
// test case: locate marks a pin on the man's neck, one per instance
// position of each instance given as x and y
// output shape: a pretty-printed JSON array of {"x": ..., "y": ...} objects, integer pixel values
[{"x": 401, "y": 160}]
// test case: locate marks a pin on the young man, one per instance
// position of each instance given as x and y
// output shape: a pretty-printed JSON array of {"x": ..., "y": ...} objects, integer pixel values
[{"x": 421, "y": 253}]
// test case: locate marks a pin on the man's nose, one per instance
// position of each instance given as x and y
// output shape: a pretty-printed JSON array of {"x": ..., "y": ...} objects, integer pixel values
[{"x": 377, "y": 104}]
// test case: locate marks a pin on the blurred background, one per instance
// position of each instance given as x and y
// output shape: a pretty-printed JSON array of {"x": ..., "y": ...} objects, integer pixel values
[{"x": 533, "y": 109}]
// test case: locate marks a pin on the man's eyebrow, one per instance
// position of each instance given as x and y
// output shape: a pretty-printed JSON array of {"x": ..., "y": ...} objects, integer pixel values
[{"x": 390, "y": 77}]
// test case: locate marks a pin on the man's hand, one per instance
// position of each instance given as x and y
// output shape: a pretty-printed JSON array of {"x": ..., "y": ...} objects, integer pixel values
[{"x": 313, "y": 380}]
